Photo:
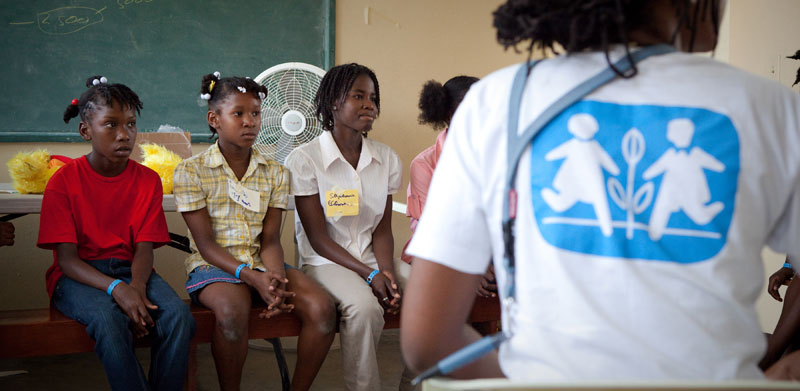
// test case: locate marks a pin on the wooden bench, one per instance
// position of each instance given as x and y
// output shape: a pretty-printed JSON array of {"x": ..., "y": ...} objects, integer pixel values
[{"x": 45, "y": 332}]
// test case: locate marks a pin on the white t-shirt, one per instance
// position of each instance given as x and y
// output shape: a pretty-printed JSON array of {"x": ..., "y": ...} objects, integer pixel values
[
  {"x": 655, "y": 277},
  {"x": 319, "y": 167}
]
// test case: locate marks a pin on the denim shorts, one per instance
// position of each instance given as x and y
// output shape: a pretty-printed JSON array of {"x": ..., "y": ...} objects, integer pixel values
[{"x": 208, "y": 274}]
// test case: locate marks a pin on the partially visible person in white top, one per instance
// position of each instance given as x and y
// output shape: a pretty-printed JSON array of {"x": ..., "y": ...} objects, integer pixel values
[
  {"x": 642, "y": 208},
  {"x": 343, "y": 184}
]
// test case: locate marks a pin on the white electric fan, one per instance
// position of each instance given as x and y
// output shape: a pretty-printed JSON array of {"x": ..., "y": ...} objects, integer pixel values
[{"x": 288, "y": 117}]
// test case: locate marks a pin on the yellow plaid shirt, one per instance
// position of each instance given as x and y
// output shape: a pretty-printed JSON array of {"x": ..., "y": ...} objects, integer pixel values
[{"x": 202, "y": 182}]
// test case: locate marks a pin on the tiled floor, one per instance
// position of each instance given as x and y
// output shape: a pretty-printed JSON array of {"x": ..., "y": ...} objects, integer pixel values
[{"x": 84, "y": 372}]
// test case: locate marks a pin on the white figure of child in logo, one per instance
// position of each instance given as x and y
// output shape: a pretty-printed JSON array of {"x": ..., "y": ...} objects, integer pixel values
[
  {"x": 684, "y": 186},
  {"x": 580, "y": 177}
]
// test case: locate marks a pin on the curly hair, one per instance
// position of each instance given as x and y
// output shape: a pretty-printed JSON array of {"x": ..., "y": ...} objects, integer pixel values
[
  {"x": 438, "y": 102},
  {"x": 579, "y": 25},
  {"x": 334, "y": 87},
  {"x": 796, "y": 56},
  {"x": 216, "y": 90},
  {"x": 99, "y": 92}
]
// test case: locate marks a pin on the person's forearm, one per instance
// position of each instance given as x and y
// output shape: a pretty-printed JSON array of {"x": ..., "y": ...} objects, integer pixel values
[
  {"x": 787, "y": 328},
  {"x": 327, "y": 248},
  {"x": 312, "y": 217},
  {"x": 78, "y": 270},
  {"x": 272, "y": 258},
  {"x": 218, "y": 256},
  {"x": 383, "y": 240},
  {"x": 142, "y": 264},
  {"x": 433, "y": 329},
  {"x": 383, "y": 247}
]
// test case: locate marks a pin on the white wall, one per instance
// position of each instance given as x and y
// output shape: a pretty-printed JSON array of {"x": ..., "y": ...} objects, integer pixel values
[{"x": 762, "y": 34}]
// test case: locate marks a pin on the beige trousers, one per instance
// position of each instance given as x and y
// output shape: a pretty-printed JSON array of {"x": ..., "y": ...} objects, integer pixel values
[{"x": 361, "y": 323}]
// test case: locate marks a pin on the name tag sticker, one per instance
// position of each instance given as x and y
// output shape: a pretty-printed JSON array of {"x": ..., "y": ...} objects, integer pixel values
[
  {"x": 243, "y": 196},
  {"x": 341, "y": 203}
]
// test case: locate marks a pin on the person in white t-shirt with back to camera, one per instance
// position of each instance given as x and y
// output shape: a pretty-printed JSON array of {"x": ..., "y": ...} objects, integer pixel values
[{"x": 641, "y": 211}]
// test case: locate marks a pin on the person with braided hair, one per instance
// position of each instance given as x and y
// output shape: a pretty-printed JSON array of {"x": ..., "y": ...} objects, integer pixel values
[
  {"x": 102, "y": 217},
  {"x": 623, "y": 294},
  {"x": 343, "y": 183},
  {"x": 232, "y": 198}
]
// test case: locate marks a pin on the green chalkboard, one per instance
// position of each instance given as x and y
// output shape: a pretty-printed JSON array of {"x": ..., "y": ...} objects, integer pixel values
[{"x": 159, "y": 48}]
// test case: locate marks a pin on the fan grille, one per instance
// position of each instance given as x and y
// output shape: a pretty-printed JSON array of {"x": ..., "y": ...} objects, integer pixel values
[{"x": 290, "y": 96}]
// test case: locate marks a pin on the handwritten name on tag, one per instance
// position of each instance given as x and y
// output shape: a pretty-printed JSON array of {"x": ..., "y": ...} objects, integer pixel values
[
  {"x": 341, "y": 203},
  {"x": 243, "y": 196}
]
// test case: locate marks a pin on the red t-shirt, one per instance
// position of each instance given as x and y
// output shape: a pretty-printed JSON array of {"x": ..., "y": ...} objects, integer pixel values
[{"x": 104, "y": 216}]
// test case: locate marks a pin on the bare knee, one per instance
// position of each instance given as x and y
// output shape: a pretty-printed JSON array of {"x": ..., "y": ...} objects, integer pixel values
[
  {"x": 319, "y": 310},
  {"x": 231, "y": 321}
]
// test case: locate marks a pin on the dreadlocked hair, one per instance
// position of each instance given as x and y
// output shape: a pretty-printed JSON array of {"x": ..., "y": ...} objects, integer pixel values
[
  {"x": 218, "y": 89},
  {"x": 579, "y": 25},
  {"x": 102, "y": 93},
  {"x": 334, "y": 87},
  {"x": 438, "y": 102},
  {"x": 796, "y": 57}
]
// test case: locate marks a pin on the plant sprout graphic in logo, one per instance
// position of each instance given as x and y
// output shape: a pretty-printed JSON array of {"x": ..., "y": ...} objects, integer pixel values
[{"x": 632, "y": 201}]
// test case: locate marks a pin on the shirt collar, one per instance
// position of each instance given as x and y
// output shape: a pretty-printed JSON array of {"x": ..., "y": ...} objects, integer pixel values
[
  {"x": 214, "y": 156},
  {"x": 330, "y": 151},
  {"x": 215, "y": 159}
]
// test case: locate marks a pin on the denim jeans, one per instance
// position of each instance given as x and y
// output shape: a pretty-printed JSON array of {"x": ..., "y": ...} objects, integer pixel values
[{"x": 108, "y": 325}]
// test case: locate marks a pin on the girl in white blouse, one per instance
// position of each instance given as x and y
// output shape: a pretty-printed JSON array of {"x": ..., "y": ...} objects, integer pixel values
[{"x": 343, "y": 184}]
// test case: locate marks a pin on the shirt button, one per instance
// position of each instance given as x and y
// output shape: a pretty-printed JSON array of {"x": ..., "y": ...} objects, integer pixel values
[{"x": 238, "y": 215}]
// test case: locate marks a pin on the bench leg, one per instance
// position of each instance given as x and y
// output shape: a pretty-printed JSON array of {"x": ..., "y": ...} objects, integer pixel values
[
  {"x": 190, "y": 383},
  {"x": 286, "y": 384}
]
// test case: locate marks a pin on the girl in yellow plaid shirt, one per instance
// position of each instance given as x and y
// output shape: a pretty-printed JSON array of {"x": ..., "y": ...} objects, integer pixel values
[{"x": 232, "y": 198}]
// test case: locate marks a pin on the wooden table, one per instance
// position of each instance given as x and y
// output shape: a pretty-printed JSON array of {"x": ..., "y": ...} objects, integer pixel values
[{"x": 13, "y": 205}]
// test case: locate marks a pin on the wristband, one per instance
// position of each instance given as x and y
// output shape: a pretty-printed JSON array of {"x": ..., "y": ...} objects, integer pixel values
[
  {"x": 239, "y": 270},
  {"x": 787, "y": 265},
  {"x": 112, "y": 286},
  {"x": 371, "y": 276}
]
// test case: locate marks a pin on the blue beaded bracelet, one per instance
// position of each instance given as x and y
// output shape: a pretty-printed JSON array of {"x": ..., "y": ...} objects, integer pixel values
[
  {"x": 112, "y": 286},
  {"x": 787, "y": 265},
  {"x": 371, "y": 276},
  {"x": 239, "y": 270}
]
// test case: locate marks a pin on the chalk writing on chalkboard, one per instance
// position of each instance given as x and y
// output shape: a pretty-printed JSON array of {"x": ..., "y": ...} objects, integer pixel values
[
  {"x": 68, "y": 20},
  {"x": 127, "y": 3},
  {"x": 157, "y": 47}
]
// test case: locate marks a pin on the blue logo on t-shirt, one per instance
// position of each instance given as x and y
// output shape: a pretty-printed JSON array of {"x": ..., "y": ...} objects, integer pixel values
[{"x": 642, "y": 182}]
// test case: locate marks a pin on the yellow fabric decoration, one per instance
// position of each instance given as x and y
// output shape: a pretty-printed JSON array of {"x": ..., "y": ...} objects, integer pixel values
[
  {"x": 211, "y": 85},
  {"x": 30, "y": 171},
  {"x": 162, "y": 161}
]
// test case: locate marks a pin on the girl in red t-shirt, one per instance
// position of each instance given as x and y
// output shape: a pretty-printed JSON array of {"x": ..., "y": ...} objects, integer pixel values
[{"x": 102, "y": 216}]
